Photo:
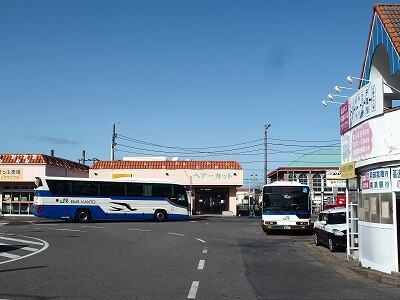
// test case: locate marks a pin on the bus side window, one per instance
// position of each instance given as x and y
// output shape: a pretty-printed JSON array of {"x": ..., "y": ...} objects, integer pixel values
[
  {"x": 134, "y": 189},
  {"x": 162, "y": 190},
  {"x": 147, "y": 190},
  {"x": 112, "y": 189}
]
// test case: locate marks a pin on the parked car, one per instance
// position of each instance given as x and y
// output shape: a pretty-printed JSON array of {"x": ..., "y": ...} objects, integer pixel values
[{"x": 330, "y": 229}]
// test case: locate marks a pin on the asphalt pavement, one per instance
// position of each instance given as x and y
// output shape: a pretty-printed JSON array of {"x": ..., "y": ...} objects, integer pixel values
[{"x": 335, "y": 260}]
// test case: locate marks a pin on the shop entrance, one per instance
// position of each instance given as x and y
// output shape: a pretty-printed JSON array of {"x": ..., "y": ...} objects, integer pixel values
[{"x": 211, "y": 200}]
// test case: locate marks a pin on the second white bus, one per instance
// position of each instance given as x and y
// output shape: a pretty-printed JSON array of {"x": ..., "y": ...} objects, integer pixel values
[{"x": 286, "y": 206}]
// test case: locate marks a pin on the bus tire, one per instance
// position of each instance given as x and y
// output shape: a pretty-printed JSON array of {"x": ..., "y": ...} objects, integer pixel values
[
  {"x": 160, "y": 215},
  {"x": 82, "y": 216}
]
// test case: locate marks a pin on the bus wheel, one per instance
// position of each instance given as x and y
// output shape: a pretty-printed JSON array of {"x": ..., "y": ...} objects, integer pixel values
[
  {"x": 160, "y": 215},
  {"x": 82, "y": 216}
]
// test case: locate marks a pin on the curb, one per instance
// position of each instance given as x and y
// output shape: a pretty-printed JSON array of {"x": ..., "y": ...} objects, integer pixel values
[{"x": 348, "y": 268}]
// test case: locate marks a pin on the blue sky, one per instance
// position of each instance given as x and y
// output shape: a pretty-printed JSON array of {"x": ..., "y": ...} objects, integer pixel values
[{"x": 193, "y": 79}]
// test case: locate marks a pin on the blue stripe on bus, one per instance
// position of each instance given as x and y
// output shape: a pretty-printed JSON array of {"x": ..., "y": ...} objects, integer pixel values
[{"x": 96, "y": 213}]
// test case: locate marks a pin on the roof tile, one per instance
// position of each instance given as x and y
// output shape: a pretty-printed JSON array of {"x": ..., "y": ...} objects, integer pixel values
[
  {"x": 35, "y": 159},
  {"x": 169, "y": 165}
]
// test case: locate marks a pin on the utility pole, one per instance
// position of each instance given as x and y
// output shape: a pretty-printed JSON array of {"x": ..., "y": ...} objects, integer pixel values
[
  {"x": 83, "y": 157},
  {"x": 266, "y": 154},
  {"x": 114, "y": 135}
]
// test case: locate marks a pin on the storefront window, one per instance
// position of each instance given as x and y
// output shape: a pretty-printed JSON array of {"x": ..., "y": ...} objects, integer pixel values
[
  {"x": 17, "y": 200},
  {"x": 376, "y": 208}
]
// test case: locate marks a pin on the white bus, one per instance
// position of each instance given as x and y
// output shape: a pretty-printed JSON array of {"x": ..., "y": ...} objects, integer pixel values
[
  {"x": 85, "y": 199},
  {"x": 286, "y": 206}
]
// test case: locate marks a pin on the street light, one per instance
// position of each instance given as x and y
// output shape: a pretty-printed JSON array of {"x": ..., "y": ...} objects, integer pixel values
[
  {"x": 350, "y": 79},
  {"x": 325, "y": 103},
  {"x": 331, "y": 96},
  {"x": 339, "y": 88}
]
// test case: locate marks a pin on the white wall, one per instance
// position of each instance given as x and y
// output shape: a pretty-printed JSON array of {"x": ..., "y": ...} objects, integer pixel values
[
  {"x": 376, "y": 244},
  {"x": 221, "y": 177}
]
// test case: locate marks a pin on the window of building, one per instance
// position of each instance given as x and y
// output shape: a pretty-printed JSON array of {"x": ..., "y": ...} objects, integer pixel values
[
  {"x": 317, "y": 183},
  {"x": 292, "y": 177},
  {"x": 303, "y": 179},
  {"x": 376, "y": 208}
]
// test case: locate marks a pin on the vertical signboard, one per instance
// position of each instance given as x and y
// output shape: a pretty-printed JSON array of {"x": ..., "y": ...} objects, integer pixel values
[
  {"x": 366, "y": 103},
  {"x": 344, "y": 117}
]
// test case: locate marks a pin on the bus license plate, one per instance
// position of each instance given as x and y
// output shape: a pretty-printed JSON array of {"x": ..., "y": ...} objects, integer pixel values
[{"x": 286, "y": 227}]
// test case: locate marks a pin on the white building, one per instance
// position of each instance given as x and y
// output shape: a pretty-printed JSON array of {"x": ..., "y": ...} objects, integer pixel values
[
  {"x": 370, "y": 144},
  {"x": 17, "y": 178},
  {"x": 212, "y": 183}
]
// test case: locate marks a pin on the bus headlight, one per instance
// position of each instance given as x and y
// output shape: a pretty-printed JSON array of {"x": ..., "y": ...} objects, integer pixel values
[
  {"x": 301, "y": 223},
  {"x": 269, "y": 223}
]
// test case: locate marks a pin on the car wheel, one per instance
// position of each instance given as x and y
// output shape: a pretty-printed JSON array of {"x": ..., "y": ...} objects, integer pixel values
[
  {"x": 331, "y": 244},
  {"x": 316, "y": 240}
]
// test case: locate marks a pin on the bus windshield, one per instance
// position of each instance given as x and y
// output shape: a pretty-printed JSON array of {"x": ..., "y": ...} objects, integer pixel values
[{"x": 285, "y": 202}]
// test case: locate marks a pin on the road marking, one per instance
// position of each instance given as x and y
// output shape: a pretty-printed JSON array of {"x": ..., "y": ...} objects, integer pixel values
[
  {"x": 201, "y": 264},
  {"x": 90, "y": 226},
  {"x": 200, "y": 240},
  {"x": 9, "y": 255},
  {"x": 205, "y": 250},
  {"x": 23, "y": 248},
  {"x": 193, "y": 290},
  {"x": 64, "y": 229},
  {"x": 180, "y": 234},
  {"x": 14, "y": 257},
  {"x": 135, "y": 229},
  {"x": 21, "y": 241}
]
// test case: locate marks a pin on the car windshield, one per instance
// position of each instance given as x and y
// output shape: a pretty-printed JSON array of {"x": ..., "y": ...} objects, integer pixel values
[{"x": 337, "y": 218}]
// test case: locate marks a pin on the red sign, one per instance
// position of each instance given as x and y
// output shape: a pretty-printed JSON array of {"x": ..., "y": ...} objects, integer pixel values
[
  {"x": 341, "y": 200},
  {"x": 344, "y": 117}
]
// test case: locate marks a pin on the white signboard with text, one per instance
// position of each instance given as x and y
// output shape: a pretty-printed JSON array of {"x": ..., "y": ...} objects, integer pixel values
[
  {"x": 378, "y": 137},
  {"x": 376, "y": 181},
  {"x": 366, "y": 103}
]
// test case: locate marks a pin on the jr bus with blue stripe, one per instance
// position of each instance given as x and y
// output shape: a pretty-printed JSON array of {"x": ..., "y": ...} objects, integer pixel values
[
  {"x": 286, "y": 206},
  {"x": 85, "y": 199}
]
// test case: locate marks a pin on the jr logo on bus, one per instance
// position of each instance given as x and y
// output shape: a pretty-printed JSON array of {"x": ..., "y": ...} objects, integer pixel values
[
  {"x": 64, "y": 200},
  {"x": 286, "y": 218}
]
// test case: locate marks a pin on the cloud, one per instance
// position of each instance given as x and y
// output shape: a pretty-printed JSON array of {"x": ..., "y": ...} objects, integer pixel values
[
  {"x": 52, "y": 140},
  {"x": 276, "y": 60}
]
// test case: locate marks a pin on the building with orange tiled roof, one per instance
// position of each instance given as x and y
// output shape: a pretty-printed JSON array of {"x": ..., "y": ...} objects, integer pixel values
[
  {"x": 212, "y": 183},
  {"x": 370, "y": 147},
  {"x": 17, "y": 178}
]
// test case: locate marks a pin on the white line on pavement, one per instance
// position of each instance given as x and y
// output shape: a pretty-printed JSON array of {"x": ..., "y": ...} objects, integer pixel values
[
  {"x": 193, "y": 290},
  {"x": 201, "y": 264}
]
